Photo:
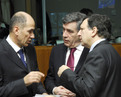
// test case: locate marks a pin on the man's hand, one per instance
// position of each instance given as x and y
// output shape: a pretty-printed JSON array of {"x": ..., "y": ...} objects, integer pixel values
[
  {"x": 62, "y": 69},
  {"x": 33, "y": 77},
  {"x": 60, "y": 90},
  {"x": 44, "y": 94}
]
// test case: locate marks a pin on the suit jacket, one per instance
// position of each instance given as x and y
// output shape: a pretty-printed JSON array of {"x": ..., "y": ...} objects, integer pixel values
[
  {"x": 12, "y": 72},
  {"x": 100, "y": 75},
  {"x": 57, "y": 58}
]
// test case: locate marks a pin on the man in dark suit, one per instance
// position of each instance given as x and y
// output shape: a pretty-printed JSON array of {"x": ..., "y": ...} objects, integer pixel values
[
  {"x": 60, "y": 54},
  {"x": 19, "y": 77},
  {"x": 100, "y": 74}
]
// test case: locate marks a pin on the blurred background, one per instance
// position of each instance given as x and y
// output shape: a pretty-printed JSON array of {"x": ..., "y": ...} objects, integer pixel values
[{"x": 48, "y": 15}]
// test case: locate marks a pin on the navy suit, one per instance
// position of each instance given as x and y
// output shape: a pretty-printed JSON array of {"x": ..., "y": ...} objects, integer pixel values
[
  {"x": 57, "y": 59},
  {"x": 12, "y": 72},
  {"x": 100, "y": 74}
]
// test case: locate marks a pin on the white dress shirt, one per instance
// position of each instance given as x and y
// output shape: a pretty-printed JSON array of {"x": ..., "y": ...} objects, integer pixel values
[
  {"x": 14, "y": 46},
  {"x": 77, "y": 55},
  {"x": 95, "y": 43}
]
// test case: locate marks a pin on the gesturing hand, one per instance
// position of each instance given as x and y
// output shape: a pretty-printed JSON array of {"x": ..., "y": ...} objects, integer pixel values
[
  {"x": 60, "y": 90},
  {"x": 62, "y": 69},
  {"x": 33, "y": 77}
]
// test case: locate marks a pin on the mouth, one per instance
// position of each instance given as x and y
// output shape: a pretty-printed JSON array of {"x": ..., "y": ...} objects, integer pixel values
[
  {"x": 80, "y": 38},
  {"x": 66, "y": 41},
  {"x": 29, "y": 41}
]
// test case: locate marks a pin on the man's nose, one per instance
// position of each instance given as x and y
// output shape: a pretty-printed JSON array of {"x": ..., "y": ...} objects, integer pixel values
[
  {"x": 32, "y": 35},
  {"x": 65, "y": 34},
  {"x": 79, "y": 33}
]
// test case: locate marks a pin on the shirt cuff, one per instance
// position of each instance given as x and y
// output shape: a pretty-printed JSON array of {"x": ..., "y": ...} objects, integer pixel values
[{"x": 53, "y": 91}]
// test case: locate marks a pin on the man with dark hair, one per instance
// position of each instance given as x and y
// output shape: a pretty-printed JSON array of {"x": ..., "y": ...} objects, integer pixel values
[
  {"x": 60, "y": 54},
  {"x": 100, "y": 74},
  {"x": 86, "y": 11},
  {"x": 19, "y": 73}
]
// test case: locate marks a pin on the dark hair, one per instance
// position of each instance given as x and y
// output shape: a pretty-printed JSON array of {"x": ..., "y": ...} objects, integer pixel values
[
  {"x": 103, "y": 24},
  {"x": 74, "y": 17},
  {"x": 19, "y": 20},
  {"x": 86, "y": 11}
]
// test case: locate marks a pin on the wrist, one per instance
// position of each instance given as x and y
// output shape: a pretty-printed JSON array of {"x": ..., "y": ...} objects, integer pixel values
[{"x": 53, "y": 91}]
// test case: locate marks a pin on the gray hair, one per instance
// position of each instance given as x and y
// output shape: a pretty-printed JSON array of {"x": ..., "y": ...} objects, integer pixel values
[
  {"x": 19, "y": 20},
  {"x": 74, "y": 17}
]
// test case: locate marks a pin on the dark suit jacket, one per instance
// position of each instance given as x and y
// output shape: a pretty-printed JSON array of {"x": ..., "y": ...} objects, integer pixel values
[
  {"x": 100, "y": 75},
  {"x": 57, "y": 58},
  {"x": 12, "y": 72}
]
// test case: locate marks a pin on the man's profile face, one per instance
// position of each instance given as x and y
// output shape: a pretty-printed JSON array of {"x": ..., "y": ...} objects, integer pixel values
[
  {"x": 26, "y": 34},
  {"x": 85, "y": 33}
]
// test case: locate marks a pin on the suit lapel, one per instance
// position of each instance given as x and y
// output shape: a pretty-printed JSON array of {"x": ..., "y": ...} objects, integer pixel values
[
  {"x": 102, "y": 42},
  {"x": 27, "y": 59},
  {"x": 84, "y": 55},
  {"x": 64, "y": 51},
  {"x": 82, "y": 59},
  {"x": 62, "y": 55},
  {"x": 12, "y": 55}
]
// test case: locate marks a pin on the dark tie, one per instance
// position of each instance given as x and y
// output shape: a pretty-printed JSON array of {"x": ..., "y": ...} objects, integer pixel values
[
  {"x": 70, "y": 62},
  {"x": 20, "y": 52}
]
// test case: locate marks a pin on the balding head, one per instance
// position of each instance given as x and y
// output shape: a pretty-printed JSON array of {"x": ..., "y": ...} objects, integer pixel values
[
  {"x": 20, "y": 19},
  {"x": 22, "y": 26}
]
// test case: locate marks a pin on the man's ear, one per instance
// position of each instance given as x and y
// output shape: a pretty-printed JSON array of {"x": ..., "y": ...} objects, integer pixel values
[
  {"x": 94, "y": 31},
  {"x": 16, "y": 30}
]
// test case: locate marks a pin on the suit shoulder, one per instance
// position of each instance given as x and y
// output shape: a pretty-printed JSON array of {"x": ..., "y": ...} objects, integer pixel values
[
  {"x": 30, "y": 46},
  {"x": 2, "y": 44},
  {"x": 59, "y": 46}
]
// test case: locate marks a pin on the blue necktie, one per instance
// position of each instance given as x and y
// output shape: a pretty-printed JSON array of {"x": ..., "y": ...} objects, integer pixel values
[{"x": 22, "y": 56}]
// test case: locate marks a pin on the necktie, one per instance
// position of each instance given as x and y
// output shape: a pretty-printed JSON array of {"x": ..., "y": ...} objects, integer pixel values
[
  {"x": 20, "y": 52},
  {"x": 70, "y": 62}
]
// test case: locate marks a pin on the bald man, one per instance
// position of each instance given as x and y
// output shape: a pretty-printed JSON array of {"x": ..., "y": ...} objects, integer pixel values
[{"x": 19, "y": 73}]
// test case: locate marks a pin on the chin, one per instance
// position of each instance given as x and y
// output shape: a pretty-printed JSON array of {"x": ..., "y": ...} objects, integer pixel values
[
  {"x": 82, "y": 43},
  {"x": 85, "y": 45},
  {"x": 25, "y": 45},
  {"x": 66, "y": 44}
]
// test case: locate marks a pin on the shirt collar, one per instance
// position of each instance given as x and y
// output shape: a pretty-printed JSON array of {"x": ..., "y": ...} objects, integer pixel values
[
  {"x": 79, "y": 47},
  {"x": 14, "y": 46},
  {"x": 95, "y": 43}
]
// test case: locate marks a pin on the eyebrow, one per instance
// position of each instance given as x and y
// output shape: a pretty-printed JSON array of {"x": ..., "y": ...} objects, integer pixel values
[{"x": 30, "y": 30}]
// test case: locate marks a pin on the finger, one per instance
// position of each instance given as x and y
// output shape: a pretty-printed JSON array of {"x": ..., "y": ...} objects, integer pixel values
[
  {"x": 42, "y": 74},
  {"x": 61, "y": 87},
  {"x": 35, "y": 76},
  {"x": 38, "y": 73},
  {"x": 35, "y": 79}
]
